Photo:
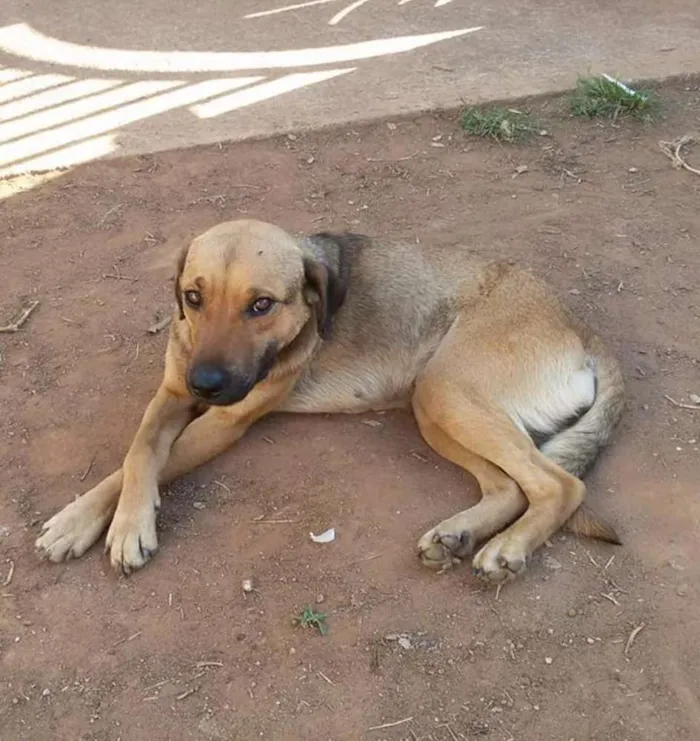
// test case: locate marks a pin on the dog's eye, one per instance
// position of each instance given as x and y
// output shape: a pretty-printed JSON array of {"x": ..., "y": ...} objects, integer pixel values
[
  {"x": 261, "y": 306},
  {"x": 193, "y": 299}
]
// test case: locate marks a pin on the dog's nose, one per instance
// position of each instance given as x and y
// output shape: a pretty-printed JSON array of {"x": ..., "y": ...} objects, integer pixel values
[{"x": 208, "y": 380}]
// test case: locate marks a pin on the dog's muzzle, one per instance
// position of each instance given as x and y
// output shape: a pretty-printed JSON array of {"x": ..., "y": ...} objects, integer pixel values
[{"x": 218, "y": 386}]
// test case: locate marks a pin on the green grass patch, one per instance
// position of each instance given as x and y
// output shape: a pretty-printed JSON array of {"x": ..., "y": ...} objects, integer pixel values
[
  {"x": 501, "y": 124},
  {"x": 600, "y": 97},
  {"x": 309, "y": 618}
]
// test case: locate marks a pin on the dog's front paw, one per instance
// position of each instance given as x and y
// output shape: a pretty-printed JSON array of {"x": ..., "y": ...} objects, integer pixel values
[
  {"x": 131, "y": 539},
  {"x": 70, "y": 532},
  {"x": 446, "y": 544},
  {"x": 501, "y": 559}
]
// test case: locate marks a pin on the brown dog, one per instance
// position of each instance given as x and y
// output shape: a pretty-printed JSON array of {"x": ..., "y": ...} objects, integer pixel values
[{"x": 503, "y": 381}]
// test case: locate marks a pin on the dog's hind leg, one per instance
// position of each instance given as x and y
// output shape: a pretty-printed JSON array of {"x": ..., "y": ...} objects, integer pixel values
[
  {"x": 511, "y": 361},
  {"x": 502, "y": 502}
]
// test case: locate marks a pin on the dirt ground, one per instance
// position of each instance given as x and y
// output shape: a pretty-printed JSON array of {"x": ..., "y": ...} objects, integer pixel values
[{"x": 595, "y": 642}]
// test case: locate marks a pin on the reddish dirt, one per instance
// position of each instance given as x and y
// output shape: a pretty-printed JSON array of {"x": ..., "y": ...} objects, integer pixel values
[{"x": 178, "y": 651}]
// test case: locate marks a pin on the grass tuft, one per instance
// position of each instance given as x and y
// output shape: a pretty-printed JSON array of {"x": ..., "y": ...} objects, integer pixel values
[
  {"x": 600, "y": 97},
  {"x": 503, "y": 125},
  {"x": 309, "y": 618}
]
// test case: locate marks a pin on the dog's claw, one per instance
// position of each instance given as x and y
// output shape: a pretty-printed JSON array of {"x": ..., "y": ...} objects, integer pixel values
[{"x": 132, "y": 542}]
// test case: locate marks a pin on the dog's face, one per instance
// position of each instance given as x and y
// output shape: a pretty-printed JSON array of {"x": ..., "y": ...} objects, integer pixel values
[{"x": 246, "y": 291}]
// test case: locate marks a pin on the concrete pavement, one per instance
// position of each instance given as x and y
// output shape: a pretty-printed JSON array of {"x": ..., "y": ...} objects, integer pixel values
[{"x": 79, "y": 81}]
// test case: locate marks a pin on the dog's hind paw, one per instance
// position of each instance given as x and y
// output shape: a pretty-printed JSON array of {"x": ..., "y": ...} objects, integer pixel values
[
  {"x": 500, "y": 560},
  {"x": 444, "y": 546}
]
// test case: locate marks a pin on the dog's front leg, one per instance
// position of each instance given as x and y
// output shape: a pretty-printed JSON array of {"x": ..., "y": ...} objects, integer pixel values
[
  {"x": 131, "y": 539},
  {"x": 70, "y": 532}
]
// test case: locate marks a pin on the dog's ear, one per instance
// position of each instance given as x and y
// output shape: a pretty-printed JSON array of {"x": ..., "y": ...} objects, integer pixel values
[
  {"x": 179, "y": 267},
  {"x": 327, "y": 293}
]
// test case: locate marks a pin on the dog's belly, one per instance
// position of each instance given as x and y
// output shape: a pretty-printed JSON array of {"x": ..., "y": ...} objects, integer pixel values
[{"x": 362, "y": 387}]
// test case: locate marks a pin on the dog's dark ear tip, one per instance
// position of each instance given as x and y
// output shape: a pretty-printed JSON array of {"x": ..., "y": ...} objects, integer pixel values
[{"x": 180, "y": 266}]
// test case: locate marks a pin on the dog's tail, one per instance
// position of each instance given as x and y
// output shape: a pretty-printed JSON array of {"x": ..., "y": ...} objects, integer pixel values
[
  {"x": 587, "y": 523},
  {"x": 576, "y": 448}
]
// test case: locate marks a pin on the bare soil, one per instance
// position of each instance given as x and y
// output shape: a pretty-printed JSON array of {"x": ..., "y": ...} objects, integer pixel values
[{"x": 595, "y": 642}]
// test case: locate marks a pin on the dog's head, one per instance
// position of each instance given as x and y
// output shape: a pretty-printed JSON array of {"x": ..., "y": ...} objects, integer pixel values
[{"x": 246, "y": 290}]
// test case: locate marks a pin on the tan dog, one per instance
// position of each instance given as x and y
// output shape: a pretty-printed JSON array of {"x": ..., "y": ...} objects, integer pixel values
[{"x": 503, "y": 381}]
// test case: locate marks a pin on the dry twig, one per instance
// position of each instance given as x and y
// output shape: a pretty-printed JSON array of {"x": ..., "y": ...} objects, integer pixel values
[
  {"x": 673, "y": 151},
  {"x": 633, "y": 636},
  {"x": 20, "y": 321},
  {"x": 85, "y": 473},
  {"x": 10, "y": 574},
  {"x": 681, "y": 404},
  {"x": 159, "y": 326},
  {"x": 391, "y": 725}
]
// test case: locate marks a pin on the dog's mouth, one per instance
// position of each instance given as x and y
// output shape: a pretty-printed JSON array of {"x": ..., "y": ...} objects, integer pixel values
[{"x": 217, "y": 385}]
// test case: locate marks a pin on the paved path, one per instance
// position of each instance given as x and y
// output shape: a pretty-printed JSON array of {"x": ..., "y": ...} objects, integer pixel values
[{"x": 81, "y": 80}]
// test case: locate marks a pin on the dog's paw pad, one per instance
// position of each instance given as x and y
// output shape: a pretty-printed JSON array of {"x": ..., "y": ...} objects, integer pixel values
[{"x": 441, "y": 549}]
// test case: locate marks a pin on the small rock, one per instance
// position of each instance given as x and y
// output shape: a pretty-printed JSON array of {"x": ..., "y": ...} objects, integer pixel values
[
  {"x": 320, "y": 598},
  {"x": 46, "y": 692},
  {"x": 198, "y": 505},
  {"x": 695, "y": 398},
  {"x": 392, "y": 637},
  {"x": 551, "y": 563},
  {"x": 292, "y": 137},
  {"x": 572, "y": 612},
  {"x": 404, "y": 643},
  {"x": 682, "y": 590},
  {"x": 575, "y": 292},
  {"x": 633, "y": 169},
  {"x": 548, "y": 659},
  {"x": 590, "y": 641},
  {"x": 247, "y": 585},
  {"x": 391, "y": 126}
]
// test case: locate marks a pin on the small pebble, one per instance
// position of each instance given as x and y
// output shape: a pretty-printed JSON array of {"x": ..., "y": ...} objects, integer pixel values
[
  {"x": 633, "y": 169},
  {"x": 682, "y": 590},
  {"x": 404, "y": 643},
  {"x": 247, "y": 585},
  {"x": 198, "y": 505},
  {"x": 572, "y": 612},
  {"x": 320, "y": 598},
  {"x": 548, "y": 659}
]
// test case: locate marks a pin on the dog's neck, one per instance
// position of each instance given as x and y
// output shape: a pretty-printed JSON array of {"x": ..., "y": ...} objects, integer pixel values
[{"x": 294, "y": 358}]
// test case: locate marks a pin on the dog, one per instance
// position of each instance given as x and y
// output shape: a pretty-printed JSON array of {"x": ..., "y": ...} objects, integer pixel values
[{"x": 502, "y": 379}]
